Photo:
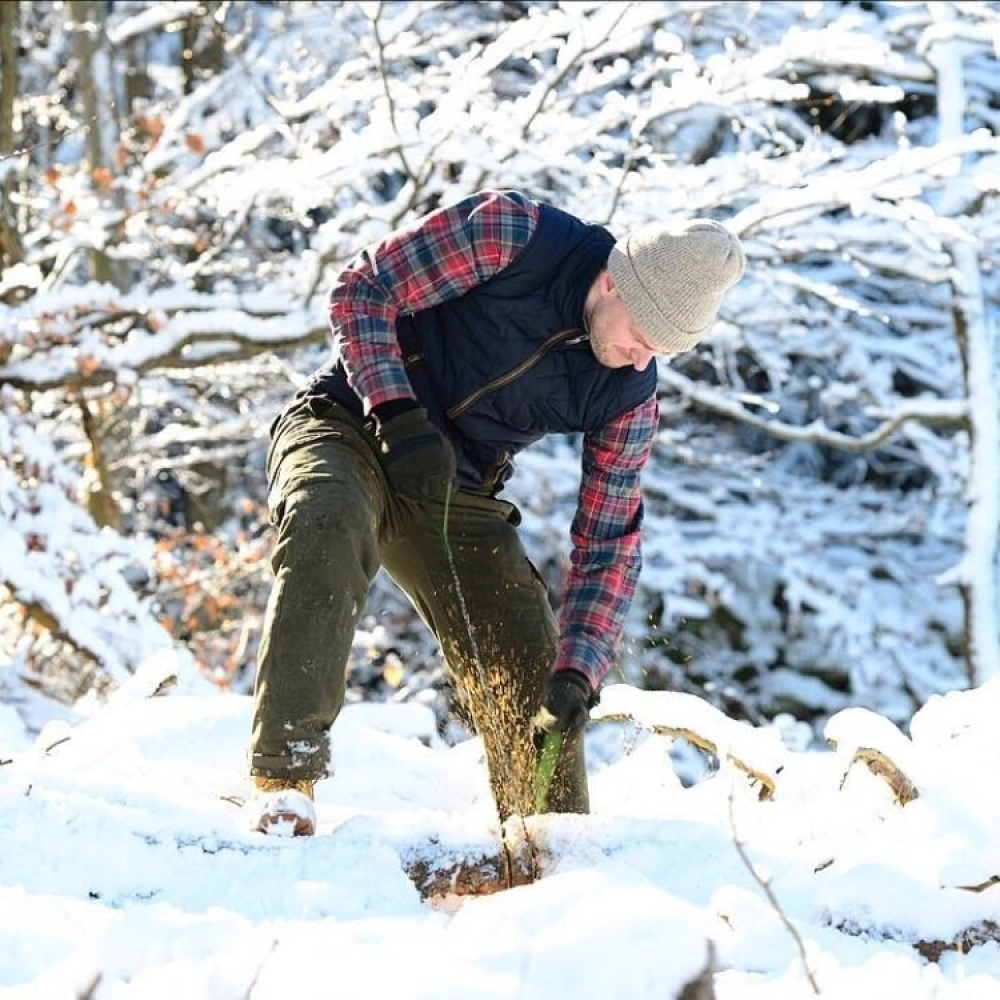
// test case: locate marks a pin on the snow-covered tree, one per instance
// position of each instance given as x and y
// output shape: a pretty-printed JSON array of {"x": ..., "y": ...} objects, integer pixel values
[{"x": 825, "y": 459}]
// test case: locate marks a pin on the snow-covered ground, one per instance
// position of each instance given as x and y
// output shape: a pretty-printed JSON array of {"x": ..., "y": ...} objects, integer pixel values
[{"x": 126, "y": 869}]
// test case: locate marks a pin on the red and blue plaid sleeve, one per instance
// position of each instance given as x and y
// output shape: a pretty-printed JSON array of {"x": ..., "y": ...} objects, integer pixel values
[
  {"x": 606, "y": 557},
  {"x": 442, "y": 256}
]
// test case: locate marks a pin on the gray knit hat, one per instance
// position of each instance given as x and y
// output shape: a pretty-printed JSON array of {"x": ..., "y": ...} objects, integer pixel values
[{"x": 672, "y": 278}]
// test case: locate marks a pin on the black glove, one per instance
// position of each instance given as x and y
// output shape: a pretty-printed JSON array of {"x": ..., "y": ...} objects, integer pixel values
[
  {"x": 418, "y": 461},
  {"x": 568, "y": 701}
]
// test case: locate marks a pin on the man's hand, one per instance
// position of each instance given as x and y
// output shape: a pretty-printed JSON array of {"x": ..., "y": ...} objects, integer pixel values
[
  {"x": 568, "y": 700},
  {"x": 419, "y": 463}
]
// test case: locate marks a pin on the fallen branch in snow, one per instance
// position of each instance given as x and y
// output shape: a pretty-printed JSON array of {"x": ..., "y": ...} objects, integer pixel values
[
  {"x": 863, "y": 736},
  {"x": 982, "y": 932},
  {"x": 883, "y": 767},
  {"x": 974, "y": 935},
  {"x": 688, "y": 717},
  {"x": 979, "y": 887},
  {"x": 766, "y": 781}
]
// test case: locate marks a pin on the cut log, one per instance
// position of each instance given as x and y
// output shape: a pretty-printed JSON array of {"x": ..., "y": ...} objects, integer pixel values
[{"x": 520, "y": 858}]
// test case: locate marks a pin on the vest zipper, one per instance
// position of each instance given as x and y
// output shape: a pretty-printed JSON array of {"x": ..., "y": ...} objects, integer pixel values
[
  {"x": 498, "y": 383},
  {"x": 493, "y": 480}
]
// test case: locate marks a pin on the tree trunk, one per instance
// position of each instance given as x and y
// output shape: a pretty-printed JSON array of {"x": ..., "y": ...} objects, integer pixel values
[
  {"x": 8, "y": 76},
  {"x": 10, "y": 244},
  {"x": 976, "y": 574},
  {"x": 203, "y": 50},
  {"x": 90, "y": 49},
  {"x": 101, "y": 503},
  {"x": 136, "y": 85}
]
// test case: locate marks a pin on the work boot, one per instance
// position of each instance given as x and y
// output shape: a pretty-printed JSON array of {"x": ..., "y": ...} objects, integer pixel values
[{"x": 282, "y": 807}]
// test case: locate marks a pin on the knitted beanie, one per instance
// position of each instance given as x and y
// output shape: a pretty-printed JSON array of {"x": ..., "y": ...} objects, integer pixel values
[{"x": 672, "y": 278}]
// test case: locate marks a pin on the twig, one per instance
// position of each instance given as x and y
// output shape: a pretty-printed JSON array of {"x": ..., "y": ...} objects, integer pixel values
[
  {"x": 90, "y": 990},
  {"x": 58, "y": 743},
  {"x": 771, "y": 898},
  {"x": 556, "y": 78},
  {"x": 25, "y": 150},
  {"x": 263, "y": 962},
  {"x": 383, "y": 72}
]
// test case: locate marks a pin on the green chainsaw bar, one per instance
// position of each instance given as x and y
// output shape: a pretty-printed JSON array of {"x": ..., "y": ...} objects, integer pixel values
[{"x": 546, "y": 768}]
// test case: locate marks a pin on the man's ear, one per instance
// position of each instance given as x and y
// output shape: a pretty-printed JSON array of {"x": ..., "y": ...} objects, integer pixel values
[{"x": 606, "y": 283}]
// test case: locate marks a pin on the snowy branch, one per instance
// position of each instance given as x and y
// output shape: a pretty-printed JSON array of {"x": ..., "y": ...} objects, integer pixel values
[
  {"x": 903, "y": 173},
  {"x": 186, "y": 339},
  {"x": 940, "y": 413}
]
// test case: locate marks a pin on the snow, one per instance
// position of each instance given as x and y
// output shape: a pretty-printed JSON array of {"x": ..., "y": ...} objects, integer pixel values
[
  {"x": 127, "y": 869},
  {"x": 126, "y": 862}
]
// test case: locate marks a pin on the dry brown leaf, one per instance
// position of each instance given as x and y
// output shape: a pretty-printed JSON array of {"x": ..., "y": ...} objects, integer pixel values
[
  {"x": 102, "y": 178},
  {"x": 393, "y": 672},
  {"x": 151, "y": 125}
]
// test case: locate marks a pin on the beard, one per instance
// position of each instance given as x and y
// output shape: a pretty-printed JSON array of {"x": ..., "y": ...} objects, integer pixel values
[
  {"x": 598, "y": 345},
  {"x": 605, "y": 355}
]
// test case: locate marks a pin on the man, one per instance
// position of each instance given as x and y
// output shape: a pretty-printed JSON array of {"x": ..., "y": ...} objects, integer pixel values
[{"x": 460, "y": 340}]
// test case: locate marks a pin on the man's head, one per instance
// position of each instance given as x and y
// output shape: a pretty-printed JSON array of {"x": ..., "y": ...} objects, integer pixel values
[{"x": 670, "y": 279}]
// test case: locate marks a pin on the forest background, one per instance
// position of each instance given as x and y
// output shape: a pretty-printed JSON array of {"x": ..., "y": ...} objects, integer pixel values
[{"x": 180, "y": 182}]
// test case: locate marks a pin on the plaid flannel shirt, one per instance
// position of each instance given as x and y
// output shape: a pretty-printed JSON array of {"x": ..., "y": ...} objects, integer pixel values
[{"x": 445, "y": 255}]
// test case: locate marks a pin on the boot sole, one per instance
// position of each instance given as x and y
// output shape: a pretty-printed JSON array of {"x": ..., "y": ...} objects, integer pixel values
[{"x": 286, "y": 824}]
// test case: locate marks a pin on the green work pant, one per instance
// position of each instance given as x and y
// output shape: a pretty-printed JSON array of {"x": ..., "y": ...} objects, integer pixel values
[{"x": 337, "y": 521}]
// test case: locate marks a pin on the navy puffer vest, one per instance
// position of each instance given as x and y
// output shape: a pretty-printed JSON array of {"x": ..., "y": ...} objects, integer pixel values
[{"x": 509, "y": 361}]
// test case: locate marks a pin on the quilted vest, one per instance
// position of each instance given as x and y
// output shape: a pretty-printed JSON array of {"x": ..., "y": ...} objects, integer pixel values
[{"x": 509, "y": 361}]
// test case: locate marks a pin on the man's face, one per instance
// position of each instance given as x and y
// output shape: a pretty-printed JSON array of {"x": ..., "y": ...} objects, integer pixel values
[{"x": 615, "y": 338}]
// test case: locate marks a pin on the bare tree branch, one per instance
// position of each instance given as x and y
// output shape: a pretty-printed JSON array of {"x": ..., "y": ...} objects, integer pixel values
[
  {"x": 937, "y": 413},
  {"x": 765, "y": 886},
  {"x": 225, "y": 335}
]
